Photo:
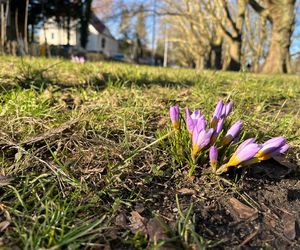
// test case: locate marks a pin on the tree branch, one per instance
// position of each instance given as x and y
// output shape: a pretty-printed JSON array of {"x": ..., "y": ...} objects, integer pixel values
[{"x": 259, "y": 9}]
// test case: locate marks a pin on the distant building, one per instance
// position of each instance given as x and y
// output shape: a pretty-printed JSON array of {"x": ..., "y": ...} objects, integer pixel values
[{"x": 100, "y": 39}]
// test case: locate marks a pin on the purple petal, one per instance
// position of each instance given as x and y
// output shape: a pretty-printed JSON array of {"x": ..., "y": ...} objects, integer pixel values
[
  {"x": 228, "y": 108},
  {"x": 213, "y": 153},
  {"x": 219, "y": 126},
  {"x": 189, "y": 121},
  {"x": 218, "y": 109},
  {"x": 195, "y": 135},
  {"x": 280, "y": 150},
  {"x": 235, "y": 129},
  {"x": 201, "y": 123},
  {"x": 272, "y": 145},
  {"x": 174, "y": 113},
  {"x": 196, "y": 114},
  {"x": 284, "y": 148},
  {"x": 204, "y": 138},
  {"x": 244, "y": 144},
  {"x": 279, "y": 140},
  {"x": 248, "y": 152}
]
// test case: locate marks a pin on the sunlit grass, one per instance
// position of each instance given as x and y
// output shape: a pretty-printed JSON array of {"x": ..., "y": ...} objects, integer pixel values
[{"x": 66, "y": 189}]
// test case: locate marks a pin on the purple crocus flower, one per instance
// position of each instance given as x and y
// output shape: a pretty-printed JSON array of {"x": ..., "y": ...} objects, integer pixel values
[
  {"x": 244, "y": 144},
  {"x": 174, "y": 115},
  {"x": 232, "y": 132},
  {"x": 200, "y": 140},
  {"x": 217, "y": 114},
  {"x": 81, "y": 59},
  {"x": 280, "y": 150},
  {"x": 244, "y": 153},
  {"x": 272, "y": 147},
  {"x": 201, "y": 123},
  {"x": 227, "y": 108},
  {"x": 193, "y": 119},
  {"x": 217, "y": 131},
  {"x": 213, "y": 156}
]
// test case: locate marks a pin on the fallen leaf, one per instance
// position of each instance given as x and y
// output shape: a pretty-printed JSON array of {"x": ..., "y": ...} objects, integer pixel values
[
  {"x": 121, "y": 220},
  {"x": 241, "y": 211},
  {"x": 4, "y": 225},
  {"x": 187, "y": 191},
  {"x": 138, "y": 223},
  {"x": 272, "y": 168},
  {"x": 156, "y": 231},
  {"x": 5, "y": 180},
  {"x": 289, "y": 222},
  {"x": 285, "y": 162},
  {"x": 139, "y": 208}
]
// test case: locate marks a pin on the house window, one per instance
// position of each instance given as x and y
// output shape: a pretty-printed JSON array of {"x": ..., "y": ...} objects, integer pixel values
[
  {"x": 52, "y": 36},
  {"x": 103, "y": 43}
]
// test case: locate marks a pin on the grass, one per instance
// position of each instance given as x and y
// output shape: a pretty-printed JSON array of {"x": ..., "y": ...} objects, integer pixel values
[{"x": 82, "y": 145}]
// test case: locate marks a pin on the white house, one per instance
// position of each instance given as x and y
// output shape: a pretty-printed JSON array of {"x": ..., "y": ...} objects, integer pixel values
[
  {"x": 52, "y": 34},
  {"x": 100, "y": 40}
]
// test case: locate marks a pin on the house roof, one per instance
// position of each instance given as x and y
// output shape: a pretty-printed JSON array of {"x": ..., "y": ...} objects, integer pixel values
[{"x": 99, "y": 25}]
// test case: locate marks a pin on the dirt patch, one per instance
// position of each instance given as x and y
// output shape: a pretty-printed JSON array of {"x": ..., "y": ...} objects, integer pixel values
[{"x": 258, "y": 212}]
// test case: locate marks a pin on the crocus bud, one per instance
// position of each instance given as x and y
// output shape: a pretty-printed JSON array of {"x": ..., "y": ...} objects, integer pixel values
[
  {"x": 213, "y": 157},
  {"x": 228, "y": 108},
  {"x": 217, "y": 114},
  {"x": 242, "y": 154},
  {"x": 272, "y": 147},
  {"x": 232, "y": 132},
  {"x": 217, "y": 131},
  {"x": 174, "y": 115}
]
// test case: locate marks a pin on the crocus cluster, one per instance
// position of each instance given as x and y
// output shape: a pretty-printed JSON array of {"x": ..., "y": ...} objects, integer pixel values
[
  {"x": 214, "y": 136},
  {"x": 78, "y": 59}
]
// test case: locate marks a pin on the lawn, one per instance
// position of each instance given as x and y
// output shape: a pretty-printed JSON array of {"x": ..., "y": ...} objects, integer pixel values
[{"x": 87, "y": 159}]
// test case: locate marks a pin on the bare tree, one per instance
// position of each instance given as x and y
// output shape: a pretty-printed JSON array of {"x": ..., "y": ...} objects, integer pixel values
[
  {"x": 256, "y": 39},
  {"x": 282, "y": 16}
]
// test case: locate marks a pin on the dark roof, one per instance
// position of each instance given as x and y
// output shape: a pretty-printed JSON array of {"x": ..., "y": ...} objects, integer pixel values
[{"x": 97, "y": 23}]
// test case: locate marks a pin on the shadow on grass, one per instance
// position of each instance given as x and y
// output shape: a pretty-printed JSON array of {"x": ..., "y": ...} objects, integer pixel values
[{"x": 32, "y": 77}]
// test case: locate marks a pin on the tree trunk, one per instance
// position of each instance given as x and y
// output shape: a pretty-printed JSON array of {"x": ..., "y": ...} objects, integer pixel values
[
  {"x": 84, "y": 20},
  {"x": 26, "y": 28},
  {"x": 199, "y": 63},
  {"x": 282, "y": 18},
  {"x": 216, "y": 57},
  {"x": 235, "y": 54}
]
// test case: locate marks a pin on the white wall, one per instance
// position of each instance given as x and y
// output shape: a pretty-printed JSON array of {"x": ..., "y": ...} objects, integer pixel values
[
  {"x": 102, "y": 43},
  {"x": 56, "y": 35}
]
